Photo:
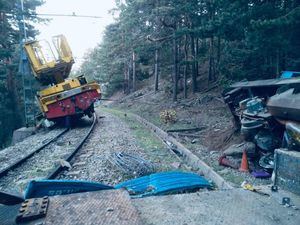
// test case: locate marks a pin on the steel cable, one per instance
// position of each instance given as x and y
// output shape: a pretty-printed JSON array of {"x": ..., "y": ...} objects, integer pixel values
[{"x": 131, "y": 165}]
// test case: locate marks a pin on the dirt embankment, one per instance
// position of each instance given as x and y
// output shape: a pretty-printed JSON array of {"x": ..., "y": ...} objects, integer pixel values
[{"x": 204, "y": 110}]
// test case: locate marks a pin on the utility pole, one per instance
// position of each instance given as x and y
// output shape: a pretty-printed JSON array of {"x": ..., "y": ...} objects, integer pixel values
[
  {"x": 24, "y": 70},
  {"x": 156, "y": 70},
  {"x": 133, "y": 72},
  {"x": 23, "y": 19}
]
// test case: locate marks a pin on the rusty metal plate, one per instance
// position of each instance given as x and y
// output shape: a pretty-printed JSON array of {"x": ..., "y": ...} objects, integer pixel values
[
  {"x": 32, "y": 209},
  {"x": 101, "y": 207}
]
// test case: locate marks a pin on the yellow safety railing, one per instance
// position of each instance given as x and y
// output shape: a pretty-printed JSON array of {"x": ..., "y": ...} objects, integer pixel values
[{"x": 63, "y": 48}]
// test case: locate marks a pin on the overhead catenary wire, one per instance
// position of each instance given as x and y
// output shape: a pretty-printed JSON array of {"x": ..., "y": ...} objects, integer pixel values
[
  {"x": 24, "y": 15},
  {"x": 68, "y": 15}
]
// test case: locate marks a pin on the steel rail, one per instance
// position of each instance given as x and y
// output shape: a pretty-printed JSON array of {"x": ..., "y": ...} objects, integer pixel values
[
  {"x": 4, "y": 171},
  {"x": 60, "y": 168}
]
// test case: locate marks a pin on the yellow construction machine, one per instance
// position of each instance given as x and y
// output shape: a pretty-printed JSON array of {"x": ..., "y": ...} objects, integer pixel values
[{"x": 51, "y": 66}]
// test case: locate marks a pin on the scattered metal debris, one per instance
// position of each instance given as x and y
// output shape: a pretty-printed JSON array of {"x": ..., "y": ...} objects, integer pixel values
[
  {"x": 267, "y": 162},
  {"x": 267, "y": 114},
  {"x": 293, "y": 135},
  {"x": 194, "y": 141},
  {"x": 274, "y": 188},
  {"x": 247, "y": 186},
  {"x": 284, "y": 105},
  {"x": 286, "y": 201},
  {"x": 266, "y": 141}
]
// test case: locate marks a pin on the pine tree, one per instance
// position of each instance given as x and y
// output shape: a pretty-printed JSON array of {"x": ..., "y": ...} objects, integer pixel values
[
  {"x": 199, "y": 40},
  {"x": 10, "y": 116}
]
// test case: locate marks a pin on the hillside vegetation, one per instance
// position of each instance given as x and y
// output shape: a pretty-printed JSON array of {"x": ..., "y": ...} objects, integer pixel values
[
  {"x": 11, "y": 92},
  {"x": 194, "y": 43}
]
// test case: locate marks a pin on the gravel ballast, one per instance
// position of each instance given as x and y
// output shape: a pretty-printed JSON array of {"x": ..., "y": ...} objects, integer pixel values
[
  {"x": 40, "y": 165},
  {"x": 114, "y": 134}
]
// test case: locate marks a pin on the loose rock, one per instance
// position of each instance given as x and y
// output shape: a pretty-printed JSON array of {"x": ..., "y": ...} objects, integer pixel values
[{"x": 236, "y": 150}]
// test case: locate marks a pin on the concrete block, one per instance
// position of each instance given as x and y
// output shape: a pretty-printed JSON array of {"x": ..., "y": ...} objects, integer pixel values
[
  {"x": 287, "y": 170},
  {"x": 22, "y": 133}
]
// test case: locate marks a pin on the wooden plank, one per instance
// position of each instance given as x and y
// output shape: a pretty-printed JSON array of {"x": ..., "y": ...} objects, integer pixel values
[
  {"x": 189, "y": 135},
  {"x": 186, "y": 129}
]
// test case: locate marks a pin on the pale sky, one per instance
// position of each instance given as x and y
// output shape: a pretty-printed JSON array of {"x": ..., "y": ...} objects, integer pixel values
[{"x": 81, "y": 33}]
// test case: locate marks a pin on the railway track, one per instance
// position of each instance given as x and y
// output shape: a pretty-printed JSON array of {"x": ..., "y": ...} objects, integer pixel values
[
  {"x": 58, "y": 169},
  {"x": 5, "y": 170},
  {"x": 48, "y": 160}
]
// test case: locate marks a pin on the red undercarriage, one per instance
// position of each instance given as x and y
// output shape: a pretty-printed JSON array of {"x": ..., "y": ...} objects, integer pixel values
[{"x": 76, "y": 104}]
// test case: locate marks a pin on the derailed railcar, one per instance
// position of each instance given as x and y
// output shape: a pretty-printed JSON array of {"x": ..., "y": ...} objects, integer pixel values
[
  {"x": 64, "y": 97},
  {"x": 74, "y": 97}
]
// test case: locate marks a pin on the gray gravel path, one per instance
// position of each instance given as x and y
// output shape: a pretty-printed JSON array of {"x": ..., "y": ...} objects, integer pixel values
[{"x": 111, "y": 135}]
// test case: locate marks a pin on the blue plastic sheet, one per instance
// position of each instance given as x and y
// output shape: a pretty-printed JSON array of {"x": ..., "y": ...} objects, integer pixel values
[
  {"x": 154, "y": 184},
  {"x": 41, "y": 188},
  {"x": 163, "y": 183}
]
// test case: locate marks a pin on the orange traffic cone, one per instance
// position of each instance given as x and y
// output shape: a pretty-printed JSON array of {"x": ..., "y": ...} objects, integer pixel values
[{"x": 244, "y": 164}]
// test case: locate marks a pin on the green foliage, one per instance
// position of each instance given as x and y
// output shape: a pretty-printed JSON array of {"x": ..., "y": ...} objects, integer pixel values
[
  {"x": 233, "y": 40},
  {"x": 10, "y": 86}
]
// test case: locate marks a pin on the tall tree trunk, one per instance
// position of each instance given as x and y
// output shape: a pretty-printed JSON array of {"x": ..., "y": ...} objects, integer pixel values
[
  {"x": 211, "y": 75},
  {"x": 129, "y": 66},
  {"x": 196, "y": 57},
  {"x": 156, "y": 71},
  {"x": 185, "y": 66},
  {"x": 126, "y": 80},
  {"x": 219, "y": 50},
  {"x": 277, "y": 63},
  {"x": 175, "y": 67},
  {"x": 133, "y": 72},
  {"x": 126, "y": 68},
  {"x": 194, "y": 75},
  {"x": 218, "y": 56},
  {"x": 283, "y": 60}
]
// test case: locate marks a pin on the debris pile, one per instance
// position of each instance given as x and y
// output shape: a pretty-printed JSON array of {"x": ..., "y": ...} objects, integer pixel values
[
  {"x": 267, "y": 113},
  {"x": 168, "y": 116}
]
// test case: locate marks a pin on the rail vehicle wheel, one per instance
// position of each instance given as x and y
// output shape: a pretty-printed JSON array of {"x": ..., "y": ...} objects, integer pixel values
[{"x": 89, "y": 112}]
